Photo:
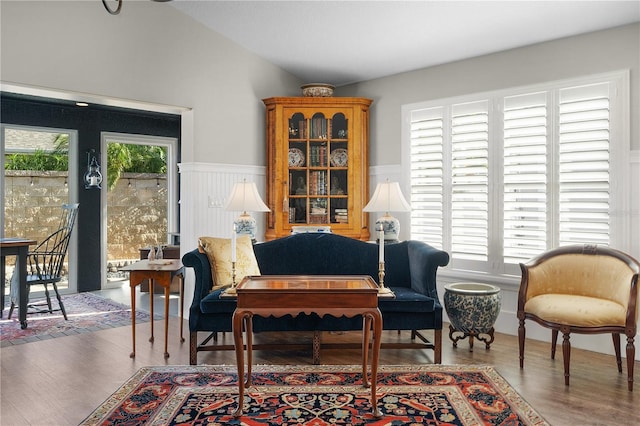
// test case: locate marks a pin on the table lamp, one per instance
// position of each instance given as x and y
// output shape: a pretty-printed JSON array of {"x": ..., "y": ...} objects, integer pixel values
[
  {"x": 388, "y": 198},
  {"x": 245, "y": 198}
]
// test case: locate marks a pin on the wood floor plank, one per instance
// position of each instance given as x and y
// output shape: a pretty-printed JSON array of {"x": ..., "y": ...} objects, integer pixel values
[{"x": 60, "y": 381}]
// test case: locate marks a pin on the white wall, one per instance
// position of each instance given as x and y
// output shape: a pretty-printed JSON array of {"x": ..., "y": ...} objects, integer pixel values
[{"x": 150, "y": 53}]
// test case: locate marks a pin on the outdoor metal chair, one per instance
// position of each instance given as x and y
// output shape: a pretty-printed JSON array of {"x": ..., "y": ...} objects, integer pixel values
[{"x": 45, "y": 262}]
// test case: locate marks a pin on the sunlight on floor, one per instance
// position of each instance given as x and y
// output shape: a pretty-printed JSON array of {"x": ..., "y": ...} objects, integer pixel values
[{"x": 122, "y": 294}]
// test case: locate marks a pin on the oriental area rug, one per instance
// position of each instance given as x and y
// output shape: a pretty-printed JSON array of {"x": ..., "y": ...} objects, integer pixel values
[
  {"x": 86, "y": 312},
  {"x": 316, "y": 395}
]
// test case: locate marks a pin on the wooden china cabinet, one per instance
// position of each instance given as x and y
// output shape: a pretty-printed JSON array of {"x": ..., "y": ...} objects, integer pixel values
[{"x": 317, "y": 165}]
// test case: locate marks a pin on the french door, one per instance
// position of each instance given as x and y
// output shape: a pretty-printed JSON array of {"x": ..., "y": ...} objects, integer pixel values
[
  {"x": 140, "y": 208},
  {"x": 34, "y": 184}
]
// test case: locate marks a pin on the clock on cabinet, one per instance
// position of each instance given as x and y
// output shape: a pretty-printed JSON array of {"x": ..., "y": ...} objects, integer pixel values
[{"x": 317, "y": 165}]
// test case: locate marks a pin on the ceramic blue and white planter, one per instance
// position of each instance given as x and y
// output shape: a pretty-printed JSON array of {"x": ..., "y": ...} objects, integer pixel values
[{"x": 473, "y": 309}]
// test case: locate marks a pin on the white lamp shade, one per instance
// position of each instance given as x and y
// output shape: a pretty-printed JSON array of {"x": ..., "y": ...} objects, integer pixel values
[
  {"x": 387, "y": 198},
  {"x": 245, "y": 198}
]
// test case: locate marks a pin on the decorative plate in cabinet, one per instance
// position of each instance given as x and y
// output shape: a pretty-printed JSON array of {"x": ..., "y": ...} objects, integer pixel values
[
  {"x": 339, "y": 157},
  {"x": 296, "y": 157}
]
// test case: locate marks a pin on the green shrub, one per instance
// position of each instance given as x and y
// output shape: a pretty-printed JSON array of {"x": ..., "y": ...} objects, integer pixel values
[
  {"x": 121, "y": 158},
  {"x": 39, "y": 161}
]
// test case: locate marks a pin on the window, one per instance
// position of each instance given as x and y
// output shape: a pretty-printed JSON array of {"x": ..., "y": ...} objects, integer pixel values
[{"x": 498, "y": 178}]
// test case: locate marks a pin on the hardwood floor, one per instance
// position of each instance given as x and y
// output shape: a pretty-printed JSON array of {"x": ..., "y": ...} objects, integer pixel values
[{"x": 61, "y": 381}]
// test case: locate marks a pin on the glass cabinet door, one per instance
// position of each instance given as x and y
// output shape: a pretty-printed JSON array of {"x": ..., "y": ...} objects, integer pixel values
[
  {"x": 338, "y": 168},
  {"x": 318, "y": 163}
]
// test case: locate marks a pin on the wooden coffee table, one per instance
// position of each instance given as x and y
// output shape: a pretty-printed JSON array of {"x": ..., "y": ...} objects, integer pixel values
[
  {"x": 271, "y": 295},
  {"x": 158, "y": 272}
]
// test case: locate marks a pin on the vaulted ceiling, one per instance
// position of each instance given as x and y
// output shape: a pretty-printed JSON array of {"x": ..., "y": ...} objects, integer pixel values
[{"x": 342, "y": 42}]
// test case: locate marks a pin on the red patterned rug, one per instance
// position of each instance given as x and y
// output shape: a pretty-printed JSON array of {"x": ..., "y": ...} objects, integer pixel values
[
  {"x": 316, "y": 395},
  {"x": 87, "y": 312}
]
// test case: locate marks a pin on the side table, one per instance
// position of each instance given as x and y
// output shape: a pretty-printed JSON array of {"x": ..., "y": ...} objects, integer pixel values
[
  {"x": 159, "y": 272},
  {"x": 169, "y": 252}
]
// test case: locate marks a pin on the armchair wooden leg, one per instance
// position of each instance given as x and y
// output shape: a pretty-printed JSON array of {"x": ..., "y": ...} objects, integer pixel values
[
  {"x": 521, "y": 337},
  {"x": 566, "y": 355},
  {"x": 631, "y": 356},
  {"x": 616, "y": 347},
  {"x": 554, "y": 341}
]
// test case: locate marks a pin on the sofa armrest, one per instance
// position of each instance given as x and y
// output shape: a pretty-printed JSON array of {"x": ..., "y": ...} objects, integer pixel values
[
  {"x": 202, "y": 269},
  {"x": 424, "y": 261}
]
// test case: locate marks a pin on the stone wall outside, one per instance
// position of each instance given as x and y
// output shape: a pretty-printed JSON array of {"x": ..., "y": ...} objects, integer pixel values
[{"x": 136, "y": 214}]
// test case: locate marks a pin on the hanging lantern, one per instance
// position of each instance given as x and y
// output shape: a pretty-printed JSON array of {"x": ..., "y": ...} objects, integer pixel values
[{"x": 92, "y": 177}]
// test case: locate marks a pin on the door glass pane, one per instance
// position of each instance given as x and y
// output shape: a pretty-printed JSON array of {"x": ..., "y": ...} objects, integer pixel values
[
  {"x": 36, "y": 172},
  {"x": 137, "y": 202}
]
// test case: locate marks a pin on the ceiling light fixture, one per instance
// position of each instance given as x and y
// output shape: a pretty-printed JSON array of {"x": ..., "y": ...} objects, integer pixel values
[{"x": 114, "y": 6}]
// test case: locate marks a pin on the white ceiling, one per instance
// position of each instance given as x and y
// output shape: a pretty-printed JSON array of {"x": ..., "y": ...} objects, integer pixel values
[{"x": 342, "y": 42}]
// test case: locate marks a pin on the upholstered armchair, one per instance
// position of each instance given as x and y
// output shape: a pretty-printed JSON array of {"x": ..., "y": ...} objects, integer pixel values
[{"x": 584, "y": 289}]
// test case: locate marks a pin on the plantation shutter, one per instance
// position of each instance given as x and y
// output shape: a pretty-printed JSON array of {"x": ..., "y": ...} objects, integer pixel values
[
  {"x": 427, "y": 176},
  {"x": 584, "y": 134},
  {"x": 525, "y": 175},
  {"x": 470, "y": 181},
  {"x": 497, "y": 179}
]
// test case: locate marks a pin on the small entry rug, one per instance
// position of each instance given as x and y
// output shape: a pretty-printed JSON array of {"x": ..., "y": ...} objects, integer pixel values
[
  {"x": 316, "y": 395},
  {"x": 87, "y": 312}
]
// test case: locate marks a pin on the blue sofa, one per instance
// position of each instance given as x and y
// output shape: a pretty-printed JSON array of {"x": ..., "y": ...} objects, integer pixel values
[{"x": 410, "y": 271}]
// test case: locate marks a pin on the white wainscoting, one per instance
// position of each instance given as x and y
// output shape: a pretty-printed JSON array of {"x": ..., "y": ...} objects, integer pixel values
[
  {"x": 634, "y": 204},
  {"x": 204, "y": 187}
]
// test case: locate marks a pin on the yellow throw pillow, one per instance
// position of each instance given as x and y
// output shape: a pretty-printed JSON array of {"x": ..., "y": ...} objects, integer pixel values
[{"x": 218, "y": 250}]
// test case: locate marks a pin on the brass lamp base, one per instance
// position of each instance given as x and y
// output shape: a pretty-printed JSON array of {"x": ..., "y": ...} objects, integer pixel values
[
  {"x": 382, "y": 289},
  {"x": 232, "y": 290}
]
